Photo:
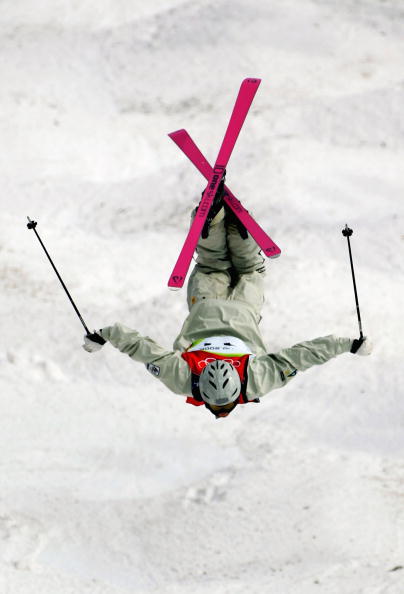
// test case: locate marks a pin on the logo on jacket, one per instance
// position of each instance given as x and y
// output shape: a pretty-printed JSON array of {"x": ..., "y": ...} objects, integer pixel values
[
  {"x": 202, "y": 364},
  {"x": 154, "y": 369}
]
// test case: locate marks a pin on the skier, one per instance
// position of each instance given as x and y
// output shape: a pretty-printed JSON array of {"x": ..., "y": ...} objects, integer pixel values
[{"x": 219, "y": 359}]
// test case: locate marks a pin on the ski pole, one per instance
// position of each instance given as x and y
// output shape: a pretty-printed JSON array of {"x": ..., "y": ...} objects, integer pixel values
[
  {"x": 32, "y": 225},
  {"x": 347, "y": 232}
]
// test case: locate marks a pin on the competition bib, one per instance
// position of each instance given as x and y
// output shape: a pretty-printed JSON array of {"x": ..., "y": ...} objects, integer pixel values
[{"x": 221, "y": 345}]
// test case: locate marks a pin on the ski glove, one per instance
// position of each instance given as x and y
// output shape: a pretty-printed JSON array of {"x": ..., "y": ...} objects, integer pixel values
[
  {"x": 361, "y": 346},
  {"x": 93, "y": 342}
]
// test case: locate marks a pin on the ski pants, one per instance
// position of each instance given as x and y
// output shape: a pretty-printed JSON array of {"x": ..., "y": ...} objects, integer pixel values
[{"x": 227, "y": 267}]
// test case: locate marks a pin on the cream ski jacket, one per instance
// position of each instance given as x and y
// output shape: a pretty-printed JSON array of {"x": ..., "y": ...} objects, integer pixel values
[{"x": 213, "y": 317}]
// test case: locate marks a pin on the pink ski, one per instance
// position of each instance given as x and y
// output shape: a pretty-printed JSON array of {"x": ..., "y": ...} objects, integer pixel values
[
  {"x": 242, "y": 105},
  {"x": 184, "y": 141}
]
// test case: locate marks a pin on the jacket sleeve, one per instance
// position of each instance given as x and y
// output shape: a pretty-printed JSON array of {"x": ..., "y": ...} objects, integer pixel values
[
  {"x": 275, "y": 370},
  {"x": 167, "y": 366}
]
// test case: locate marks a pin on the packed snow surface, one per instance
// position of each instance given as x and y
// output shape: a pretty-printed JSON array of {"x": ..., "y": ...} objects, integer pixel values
[{"x": 109, "y": 483}]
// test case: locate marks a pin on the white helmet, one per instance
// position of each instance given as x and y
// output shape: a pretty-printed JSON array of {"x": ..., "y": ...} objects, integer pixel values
[{"x": 219, "y": 383}]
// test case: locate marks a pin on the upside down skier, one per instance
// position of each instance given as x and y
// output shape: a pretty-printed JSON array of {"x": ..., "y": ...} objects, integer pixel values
[{"x": 219, "y": 359}]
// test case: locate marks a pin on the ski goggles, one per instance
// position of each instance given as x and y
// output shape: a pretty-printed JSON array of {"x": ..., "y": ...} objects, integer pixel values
[{"x": 220, "y": 414}]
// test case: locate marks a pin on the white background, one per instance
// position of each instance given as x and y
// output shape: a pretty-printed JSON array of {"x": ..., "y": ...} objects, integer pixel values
[{"x": 108, "y": 482}]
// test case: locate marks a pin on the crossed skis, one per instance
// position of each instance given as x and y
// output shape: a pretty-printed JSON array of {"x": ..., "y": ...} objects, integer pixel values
[{"x": 214, "y": 174}]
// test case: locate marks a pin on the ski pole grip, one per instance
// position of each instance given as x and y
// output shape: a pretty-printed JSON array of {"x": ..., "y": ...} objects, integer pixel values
[{"x": 96, "y": 337}]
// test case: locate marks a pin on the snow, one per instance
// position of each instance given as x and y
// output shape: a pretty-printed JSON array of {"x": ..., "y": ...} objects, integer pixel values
[{"x": 109, "y": 483}]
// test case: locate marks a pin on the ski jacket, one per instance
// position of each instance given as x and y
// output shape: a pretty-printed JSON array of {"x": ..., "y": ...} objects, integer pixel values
[{"x": 214, "y": 317}]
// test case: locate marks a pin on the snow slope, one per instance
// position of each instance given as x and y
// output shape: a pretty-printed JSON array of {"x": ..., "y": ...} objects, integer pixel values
[{"x": 110, "y": 484}]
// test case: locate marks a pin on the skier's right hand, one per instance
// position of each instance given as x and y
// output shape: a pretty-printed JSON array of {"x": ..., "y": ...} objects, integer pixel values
[
  {"x": 93, "y": 342},
  {"x": 362, "y": 346}
]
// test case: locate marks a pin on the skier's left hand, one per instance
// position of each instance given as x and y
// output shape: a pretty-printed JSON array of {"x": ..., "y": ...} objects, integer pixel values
[
  {"x": 93, "y": 342},
  {"x": 362, "y": 346}
]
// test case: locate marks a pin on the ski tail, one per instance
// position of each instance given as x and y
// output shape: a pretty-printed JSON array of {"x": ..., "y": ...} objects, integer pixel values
[{"x": 245, "y": 97}]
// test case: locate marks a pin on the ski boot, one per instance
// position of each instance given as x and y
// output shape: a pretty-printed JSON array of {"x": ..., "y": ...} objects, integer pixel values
[
  {"x": 232, "y": 219},
  {"x": 215, "y": 208}
]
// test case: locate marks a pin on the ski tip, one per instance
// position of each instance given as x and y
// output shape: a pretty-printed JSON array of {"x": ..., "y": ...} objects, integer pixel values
[
  {"x": 253, "y": 81},
  {"x": 176, "y": 133}
]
